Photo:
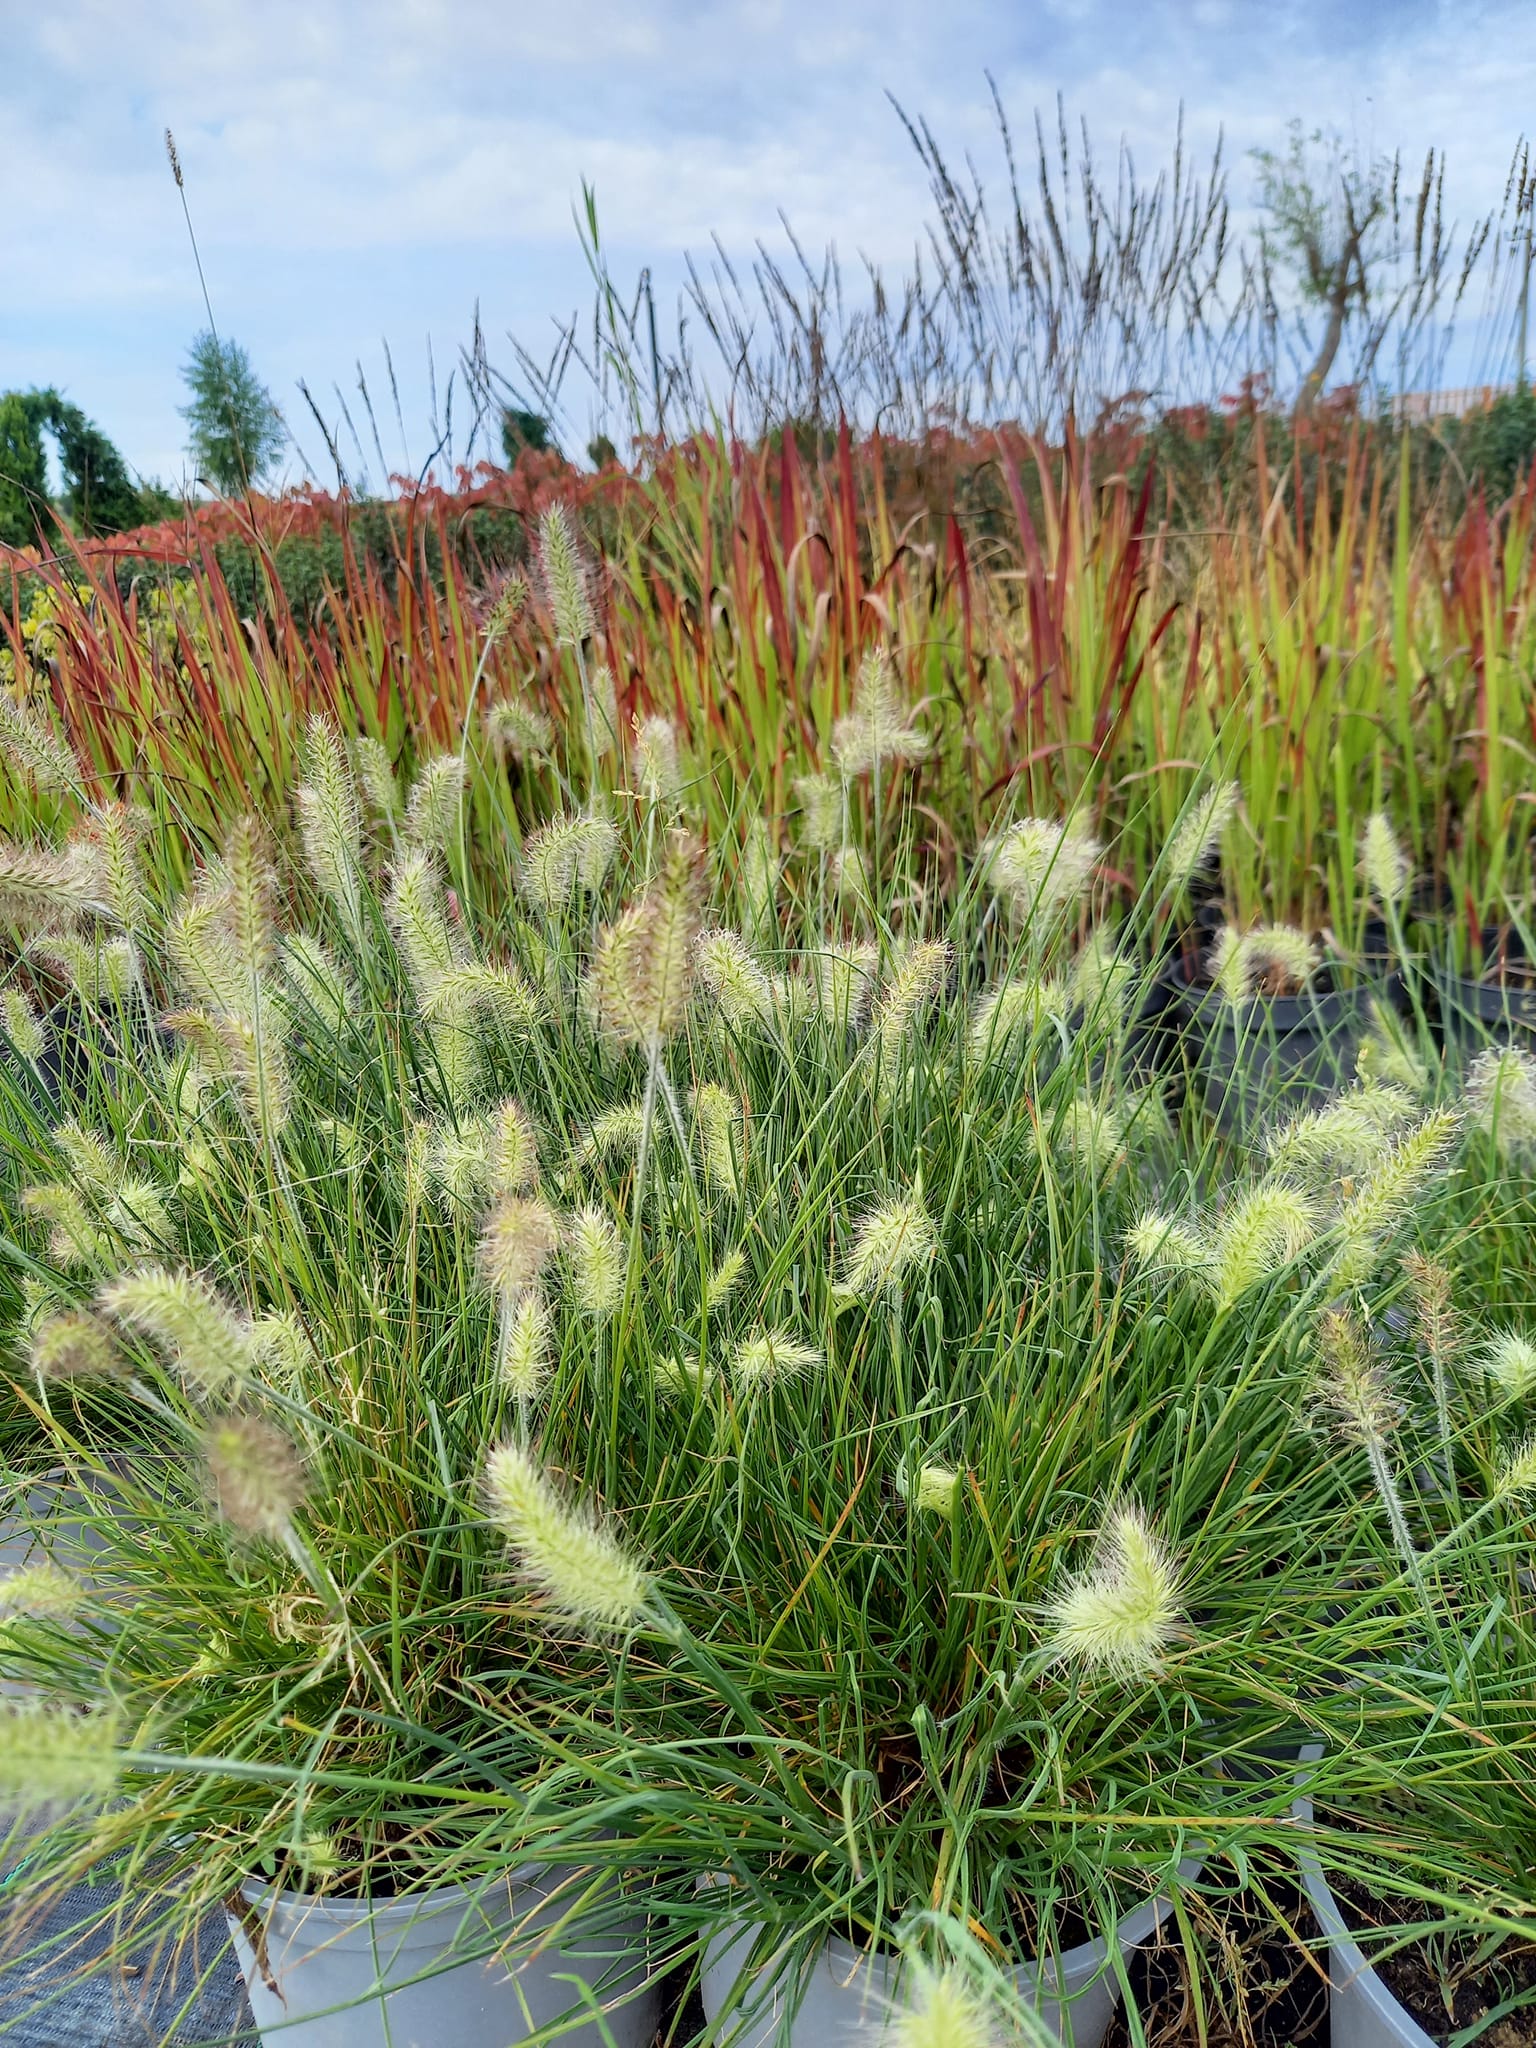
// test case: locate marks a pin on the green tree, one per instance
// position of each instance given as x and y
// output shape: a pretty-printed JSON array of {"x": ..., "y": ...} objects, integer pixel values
[
  {"x": 99, "y": 494},
  {"x": 236, "y": 432},
  {"x": 23, "y": 473},
  {"x": 1366, "y": 252},
  {"x": 522, "y": 430}
]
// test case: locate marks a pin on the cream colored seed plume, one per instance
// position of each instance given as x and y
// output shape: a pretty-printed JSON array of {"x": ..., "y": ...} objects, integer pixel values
[
  {"x": 891, "y": 1242},
  {"x": 878, "y": 727},
  {"x": 730, "y": 973},
  {"x": 256, "y": 1474},
  {"x": 1164, "y": 1247},
  {"x": 520, "y": 1237},
  {"x": 940, "y": 2009},
  {"x": 1383, "y": 864},
  {"x": 594, "y": 1254},
  {"x": 433, "y": 810},
  {"x": 523, "y": 1347},
  {"x": 1509, "y": 1360},
  {"x": 1041, "y": 869},
  {"x": 1266, "y": 1228},
  {"x": 768, "y": 1358},
  {"x": 517, "y": 729},
  {"x": 74, "y": 1346},
  {"x": 1120, "y": 1615},
  {"x": 1275, "y": 960},
  {"x": 661, "y": 775},
  {"x": 821, "y": 812},
  {"x": 41, "y": 1591},
  {"x": 1013, "y": 1017},
  {"x": 721, "y": 1136},
  {"x": 1198, "y": 835},
  {"x": 933, "y": 1490},
  {"x": 584, "y": 1573},
  {"x": 207, "y": 1343},
  {"x": 565, "y": 577},
  {"x": 1501, "y": 1097},
  {"x": 53, "y": 1757}
]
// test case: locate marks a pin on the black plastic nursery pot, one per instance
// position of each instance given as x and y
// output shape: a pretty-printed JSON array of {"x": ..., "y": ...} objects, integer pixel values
[{"x": 1275, "y": 1054}]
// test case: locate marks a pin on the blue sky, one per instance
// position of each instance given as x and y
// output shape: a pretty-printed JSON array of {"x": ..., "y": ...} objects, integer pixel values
[{"x": 360, "y": 173}]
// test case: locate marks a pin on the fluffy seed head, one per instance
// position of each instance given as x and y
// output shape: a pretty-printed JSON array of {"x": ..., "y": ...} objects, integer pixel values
[
  {"x": 1433, "y": 1288},
  {"x": 721, "y": 1136},
  {"x": 724, "y": 1280},
  {"x": 585, "y": 1575},
  {"x": 594, "y": 1254},
  {"x": 891, "y": 1242},
  {"x": 821, "y": 812},
  {"x": 53, "y": 1757},
  {"x": 518, "y": 730},
  {"x": 206, "y": 1342},
  {"x": 1501, "y": 1097},
  {"x": 73, "y": 1238},
  {"x": 1347, "y": 1137},
  {"x": 643, "y": 966},
  {"x": 375, "y": 774},
  {"x": 564, "y": 572},
  {"x": 656, "y": 756},
  {"x": 563, "y": 855},
  {"x": 614, "y": 1133},
  {"x": 1384, "y": 1199},
  {"x": 918, "y": 979},
  {"x": 1091, "y": 1135},
  {"x": 933, "y": 1490},
  {"x": 682, "y": 1379},
  {"x": 1383, "y": 864},
  {"x": 512, "y": 1150},
  {"x": 1120, "y": 1615},
  {"x": 418, "y": 916},
  {"x": 39, "y": 888},
  {"x": 41, "y": 1591},
  {"x": 940, "y": 2009},
  {"x": 1265, "y": 1228},
  {"x": 878, "y": 726},
  {"x": 727, "y": 969},
  {"x": 1509, "y": 1360},
  {"x": 432, "y": 814},
  {"x": 1517, "y": 1471},
  {"x": 1102, "y": 980},
  {"x": 1353, "y": 1382},
  {"x": 74, "y": 1346},
  {"x": 770, "y": 1357},
  {"x": 523, "y": 1361},
  {"x": 519, "y": 1240},
  {"x": 1164, "y": 1247},
  {"x": 34, "y": 750},
  {"x": 23, "y": 1026},
  {"x": 1198, "y": 835},
  {"x": 113, "y": 840},
  {"x": 330, "y": 826},
  {"x": 844, "y": 978},
  {"x": 1041, "y": 869},
  {"x": 1009, "y": 1020},
  {"x": 256, "y": 1475},
  {"x": 1275, "y": 960}
]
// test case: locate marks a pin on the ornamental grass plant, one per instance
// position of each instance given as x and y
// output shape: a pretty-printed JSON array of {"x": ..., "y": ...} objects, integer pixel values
[{"x": 702, "y": 1361}]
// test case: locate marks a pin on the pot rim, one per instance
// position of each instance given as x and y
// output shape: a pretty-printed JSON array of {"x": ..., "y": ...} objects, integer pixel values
[
  {"x": 1358, "y": 1973},
  {"x": 1086, "y": 1957}
]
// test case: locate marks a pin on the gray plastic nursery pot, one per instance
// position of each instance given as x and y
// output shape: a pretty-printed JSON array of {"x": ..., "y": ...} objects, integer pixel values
[
  {"x": 846, "y": 1997},
  {"x": 448, "y": 1968},
  {"x": 1362, "y": 2012}
]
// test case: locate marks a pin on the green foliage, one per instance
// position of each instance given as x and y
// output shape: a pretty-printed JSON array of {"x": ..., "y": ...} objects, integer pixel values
[
  {"x": 236, "y": 431},
  {"x": 23, "y": 473},
  {"x": 522, "y": 431}
]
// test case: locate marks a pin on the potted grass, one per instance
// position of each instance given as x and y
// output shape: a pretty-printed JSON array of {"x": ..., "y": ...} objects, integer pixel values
[
  {"x": 263, "y": 1256},
  {"x": 1425, "y": 1910},
  {"x": 892, "y": 1619}
]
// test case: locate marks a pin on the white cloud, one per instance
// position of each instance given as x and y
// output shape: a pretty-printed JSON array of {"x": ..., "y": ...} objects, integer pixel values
[{"x": 363, "y": 170}]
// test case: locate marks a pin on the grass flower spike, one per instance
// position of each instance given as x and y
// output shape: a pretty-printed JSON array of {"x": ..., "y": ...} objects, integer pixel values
[
  {"x": 566, "y": 581},
  {"x": 1384, "y": 866},
  {"x": 1509, "y": 1360},
  {"x": 770, "y": 1357},
  {"x": 1119, "y": 1616},
  {"x": 940, "y": 2009},
  {"x": 1501, "y": 1097},
  {"x": 891, "y": 1242},
  {"x": 1198, "y": 835},
  {"x": 208, "y": 1344},
  {"x": 585, "y": 1575},
  {"x": 257, "y": 1476},
  {"x": 1041, "y": 869},
  {"x": 523, "y": 1361},
  {"x": 1275, "y": 960},
  {"x": 878, "y": 728},
  {"x": 520, "y": 1237},
  {"x": 53, "y": 1757},
  {"x": 594, "y": 1255}
]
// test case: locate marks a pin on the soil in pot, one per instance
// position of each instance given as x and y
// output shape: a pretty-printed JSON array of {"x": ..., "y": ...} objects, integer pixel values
[
  {"x": 1269, "y": 1993},
  {"x": 1448, "y": 1986}
]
